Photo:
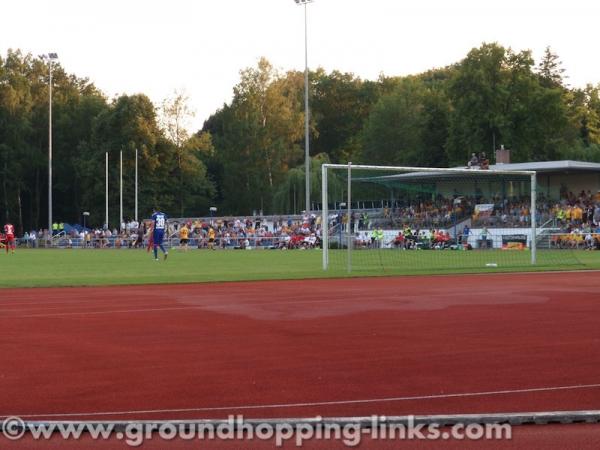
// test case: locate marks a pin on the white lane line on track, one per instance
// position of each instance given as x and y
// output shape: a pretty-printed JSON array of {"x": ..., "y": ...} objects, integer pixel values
[
  {"x": 89, "y": 313},
  {"x": 65, "y": 309},
  {"x": 77, "y": 301},
  {"x": 312, "y": 404},
  {"x": 210, "y": 306}
]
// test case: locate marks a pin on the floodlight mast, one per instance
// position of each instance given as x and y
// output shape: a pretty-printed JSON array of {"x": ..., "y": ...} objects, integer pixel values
[
  {"x": 306, "y": 109},
  {"x": 50, "y": 57}
]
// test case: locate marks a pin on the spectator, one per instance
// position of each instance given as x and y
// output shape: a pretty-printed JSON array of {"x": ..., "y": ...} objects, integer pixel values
[
  {"x": 484, "y": 162},
  {"x": 473, "y": 162},
  {"x": 465, "y": 235},
  {"x": 399, "y": 240},
  {"x": 484, "y": 237}
]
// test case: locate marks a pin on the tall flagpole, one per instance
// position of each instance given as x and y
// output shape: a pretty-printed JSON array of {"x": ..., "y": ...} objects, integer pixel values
[
  {"x": 106, "y": 192},
  {"x": 50, "y": 57},
  {"x": 50, "y": 220},
  {"x": 136, "y": 184},
  {"x": 120, "y": 188}
]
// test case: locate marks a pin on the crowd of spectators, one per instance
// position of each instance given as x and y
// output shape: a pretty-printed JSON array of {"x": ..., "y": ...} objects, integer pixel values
[
  {"x": 250, "y": 232},
  {"x": 130, "y": 234},
  {"x": 577, "y": 216},
  {"x": 441, "y": 213},
  {"x": 574, "y": 219},
  {"x": 431, "y": 214},
  {"x": 239, "y": 233},
  {"x": 446, "y": 212},
  {"x": 573, "y": 211},
  {"x": 406, "y": 239}
]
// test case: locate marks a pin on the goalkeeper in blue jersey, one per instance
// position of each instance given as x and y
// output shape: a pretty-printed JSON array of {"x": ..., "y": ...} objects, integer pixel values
[{"x": 159, "y": 222}]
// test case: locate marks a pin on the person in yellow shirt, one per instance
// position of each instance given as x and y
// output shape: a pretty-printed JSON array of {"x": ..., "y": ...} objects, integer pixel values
[
  {"x": 211, "y": 238},
  {"x": 568, "y": 213},
  {"x": 184, "y": 234},
  {"x": 577, "y": 215}
]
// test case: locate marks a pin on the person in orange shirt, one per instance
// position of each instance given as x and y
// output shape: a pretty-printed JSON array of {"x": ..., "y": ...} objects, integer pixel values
[{"x": 211, "y": 238}]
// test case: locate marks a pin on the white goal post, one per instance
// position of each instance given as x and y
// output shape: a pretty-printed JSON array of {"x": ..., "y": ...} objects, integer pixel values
[{"x": 325, "y": 168}]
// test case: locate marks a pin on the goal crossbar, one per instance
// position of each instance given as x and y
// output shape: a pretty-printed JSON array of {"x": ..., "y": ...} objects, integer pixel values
[{"x": 430, "y": 169}]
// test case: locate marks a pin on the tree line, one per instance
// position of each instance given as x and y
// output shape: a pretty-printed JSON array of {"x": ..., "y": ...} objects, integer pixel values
[{"x": 248, "y": 156}]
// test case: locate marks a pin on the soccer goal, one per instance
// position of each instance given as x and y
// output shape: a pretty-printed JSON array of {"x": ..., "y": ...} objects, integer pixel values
[{"x": 414, "y": 219}]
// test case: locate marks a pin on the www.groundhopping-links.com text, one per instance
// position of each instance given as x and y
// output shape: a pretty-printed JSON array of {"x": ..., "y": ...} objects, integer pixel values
[{"x": 237, "y": 428}]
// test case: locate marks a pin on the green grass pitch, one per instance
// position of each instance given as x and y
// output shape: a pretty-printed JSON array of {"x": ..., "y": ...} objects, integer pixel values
[{"x": 53, "y": 268}]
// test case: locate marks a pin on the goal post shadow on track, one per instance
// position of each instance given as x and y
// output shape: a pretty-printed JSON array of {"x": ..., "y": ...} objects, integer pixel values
[{"x": 453, "y": 199}]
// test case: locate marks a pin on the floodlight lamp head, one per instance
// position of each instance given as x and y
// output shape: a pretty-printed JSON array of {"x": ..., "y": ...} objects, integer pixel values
[
  {"x": 303, "y": 2},
  {"x": 49, "y": 57}
]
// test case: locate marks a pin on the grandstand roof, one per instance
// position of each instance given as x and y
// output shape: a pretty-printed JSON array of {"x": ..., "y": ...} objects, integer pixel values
[
  {"x": 564, "y": 166},
  {"x": 550, "y": 166}
]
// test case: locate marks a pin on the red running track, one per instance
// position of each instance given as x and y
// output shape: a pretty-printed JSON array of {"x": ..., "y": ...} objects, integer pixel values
[{"x": 385, "y": 346}]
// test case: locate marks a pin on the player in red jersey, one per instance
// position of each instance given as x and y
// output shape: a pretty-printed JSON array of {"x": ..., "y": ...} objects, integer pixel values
[{"x": 9, "y": 231}]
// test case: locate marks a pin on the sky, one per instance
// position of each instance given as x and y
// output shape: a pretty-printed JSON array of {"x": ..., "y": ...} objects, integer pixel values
[{"x": 198, "y": 47}]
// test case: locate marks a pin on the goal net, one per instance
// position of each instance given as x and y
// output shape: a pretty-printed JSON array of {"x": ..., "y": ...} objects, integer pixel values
[{"x": 434, "y": 220}]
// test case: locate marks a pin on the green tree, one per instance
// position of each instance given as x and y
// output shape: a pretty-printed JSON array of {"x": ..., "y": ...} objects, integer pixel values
[
  {"x": 15, "y": 104},
  {"x": 584, "y": 114},
  {"x": 128, "y": 123},
  {"x": 550, "y": 70},
  {"x": 256, "y": 137},
  {"x": 340, "y": 105},
  {"x": 193, "y": 188},
  {"x": 290, "y": 193},
  {"x": 498, "y": 99},
  {"x": 393, "y": 132}
]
